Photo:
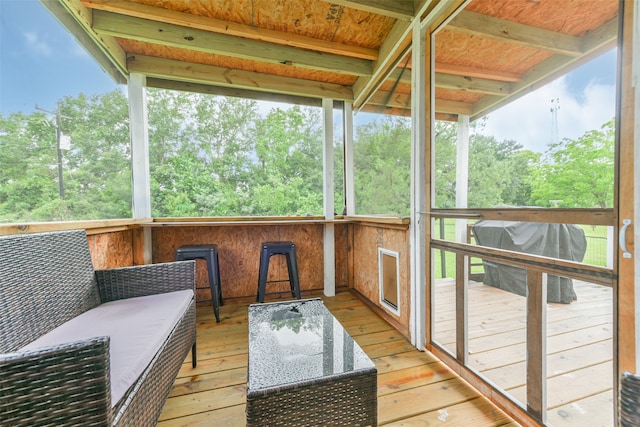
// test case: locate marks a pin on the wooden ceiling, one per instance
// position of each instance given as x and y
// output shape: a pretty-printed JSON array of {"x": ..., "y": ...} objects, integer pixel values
[{"x": 351, "y": 50}]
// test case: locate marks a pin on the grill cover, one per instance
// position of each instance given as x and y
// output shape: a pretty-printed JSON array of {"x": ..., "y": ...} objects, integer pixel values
[{"x": 563, "y": 241}]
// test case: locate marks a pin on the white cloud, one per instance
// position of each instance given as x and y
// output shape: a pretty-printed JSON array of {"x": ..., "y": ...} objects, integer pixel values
[
  {"x": 36, "y": 45},
  {"x": 528, "y": 120}
]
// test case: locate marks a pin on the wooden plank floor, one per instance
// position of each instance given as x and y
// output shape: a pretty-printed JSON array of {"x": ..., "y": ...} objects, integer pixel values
[
  {"x": 579, "y": 347},
  {"x": 414, "y": 388}
]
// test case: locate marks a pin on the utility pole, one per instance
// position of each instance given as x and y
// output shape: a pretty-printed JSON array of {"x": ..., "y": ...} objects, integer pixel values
[
  {"x": 58, "y": 149},
  {"x": 555, "y": 106}
]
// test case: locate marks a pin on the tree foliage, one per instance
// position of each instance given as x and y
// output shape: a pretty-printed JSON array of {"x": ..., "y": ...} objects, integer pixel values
[
  {"x": 97, "y": 171},
  {"x": 499, "y": 171},
  {"x": 382, "y": 163},
  {"x": 578, "y": 173},
  {"x": 215, "y": 156}
]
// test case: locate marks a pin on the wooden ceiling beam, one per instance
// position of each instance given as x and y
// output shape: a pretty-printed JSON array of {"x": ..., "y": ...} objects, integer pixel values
[
  {"x": 398, "y": 9},
  {"x": 403, "y": 101},
  {"x": 113, "y": 24},
  {"x": 453, "y": 107},
  {"x": 139, "y": 10},
  {"x": 481, "y": 73},
  {"x": 464, "y": 83},
  {"x": 391, "y": 51},
  {"x": 471, "y": 84},
  {"x": 395, "y": 48},
  {"x": 210, "y": 75},
  {"x": 512, "y": 32},
  {"x": 386, "y": 99},
  {"x": 232, "y": 91}
]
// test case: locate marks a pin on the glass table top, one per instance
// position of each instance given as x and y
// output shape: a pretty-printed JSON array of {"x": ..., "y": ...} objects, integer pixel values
[{"x": 296, "y": 341}]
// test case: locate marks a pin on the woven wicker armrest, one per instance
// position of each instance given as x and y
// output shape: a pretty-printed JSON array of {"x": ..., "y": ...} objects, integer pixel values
[
  {"x": 151, "y": 279},
  {"x": 62, "y": 385}
]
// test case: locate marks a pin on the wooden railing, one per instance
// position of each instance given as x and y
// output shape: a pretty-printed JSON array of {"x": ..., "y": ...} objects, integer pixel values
[{"x": 537, "y": 268}]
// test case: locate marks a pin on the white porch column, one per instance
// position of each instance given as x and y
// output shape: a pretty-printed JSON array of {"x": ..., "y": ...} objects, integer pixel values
[
  {"x": 328, "y": 193},
  {"x": 419, "y": 188},
  {"x": 349, "y": 187},
  {"x": 462, "y": 175},
  {"x": 138, "y": 127}
]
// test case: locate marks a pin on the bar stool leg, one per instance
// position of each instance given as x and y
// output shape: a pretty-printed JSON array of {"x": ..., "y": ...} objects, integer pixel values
[
  {"x": 209, "y": 253},
  {"x": 264, "y": 272},
  {"x": 292, "y": 265},
  {"x": 218, "y": 278},
  {"x": 214, "y": 284}
]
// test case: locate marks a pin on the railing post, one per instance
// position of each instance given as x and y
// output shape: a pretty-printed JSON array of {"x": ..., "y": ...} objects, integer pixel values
[
  {"x": 537, "y": 344},
  {"x": 462, "y": 265}
]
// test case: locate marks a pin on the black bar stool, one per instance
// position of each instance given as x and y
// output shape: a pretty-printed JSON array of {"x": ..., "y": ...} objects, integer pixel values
[
  {"x": 210, "y": 254},
  {"x": 288, "y": 249}
]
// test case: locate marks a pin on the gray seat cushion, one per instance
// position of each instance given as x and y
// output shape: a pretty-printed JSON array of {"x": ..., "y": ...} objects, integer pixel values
[{"x": 137, "y": 328}]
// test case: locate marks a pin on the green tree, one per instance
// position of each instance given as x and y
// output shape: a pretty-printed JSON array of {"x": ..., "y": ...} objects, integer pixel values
[
  {"x": 98, "y": 164},
  {"x": 175, "y": 169},
  {"x": 499, "y": 171},
  {"x": 382, "y": 162},
  {"x": 96, "y": 169},
  {"x": 495, "y": 177},
  {"x": 578, "y": 173},
  {"x": 28, "y": 178},
  {"x": 224, "y": 134},
  {"x": 445, "y": 164},
  {"x": 287, "y": 178},
  {"x": 200, "y": 153}
]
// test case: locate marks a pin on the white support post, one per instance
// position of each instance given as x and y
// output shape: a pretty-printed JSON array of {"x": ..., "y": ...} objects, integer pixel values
[
  {"x": 349, "y": 187},
  {"x": 419, "y": 189},
  {"x": 328, "y": 196},
  {"x": 462, "y": 175},
  {"x": 138, "y": 127}
]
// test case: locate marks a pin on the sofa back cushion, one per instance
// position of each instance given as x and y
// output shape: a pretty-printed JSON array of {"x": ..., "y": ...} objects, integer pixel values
[{"x": 45, "y": 280}]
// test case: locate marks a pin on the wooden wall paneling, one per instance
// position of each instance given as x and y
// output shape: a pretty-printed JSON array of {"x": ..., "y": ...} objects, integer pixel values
[
  {"x": 341, "y": 235},
  {"x": 309, "y": 247},
  {"x": 111, "y": 250},
  {"x": 365, "y": 261},
  {"x": 239, "y": 254},
  {"x": 137, "y": 245},
  {"x": 367, "y": 238}
]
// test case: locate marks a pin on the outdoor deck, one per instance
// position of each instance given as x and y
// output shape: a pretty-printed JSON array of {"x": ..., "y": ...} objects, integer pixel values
[
  {"x": 579, "y": 347},
  {"x": 413, "y": 387}
]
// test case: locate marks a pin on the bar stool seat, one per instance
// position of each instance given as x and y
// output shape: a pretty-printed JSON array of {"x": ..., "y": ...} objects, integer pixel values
[
  {"x": 269, "y": 249},
  {"x": 210, "y": 254}
]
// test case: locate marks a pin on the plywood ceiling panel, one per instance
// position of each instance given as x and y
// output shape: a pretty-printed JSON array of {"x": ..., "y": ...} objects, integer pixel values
[
  {"x": 574, "y": 17},
  {"x": 488, "y": 55},
  {"x": 472, "y": 51},
  {"x": 310, "y": 18}
]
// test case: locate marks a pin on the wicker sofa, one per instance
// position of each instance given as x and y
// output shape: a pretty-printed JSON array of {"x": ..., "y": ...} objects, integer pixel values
[{"x": 85, "y": 347}]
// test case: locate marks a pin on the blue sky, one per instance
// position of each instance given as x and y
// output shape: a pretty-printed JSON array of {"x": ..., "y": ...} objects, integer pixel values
[
  {"x": 587, "y": 101},
  {"x": 40, "y": 63}
]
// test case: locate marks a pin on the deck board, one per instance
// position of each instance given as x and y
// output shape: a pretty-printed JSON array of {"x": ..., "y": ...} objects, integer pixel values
[
  {"x": 414, "y": 388},
  {"x": 579, "y": 347}
]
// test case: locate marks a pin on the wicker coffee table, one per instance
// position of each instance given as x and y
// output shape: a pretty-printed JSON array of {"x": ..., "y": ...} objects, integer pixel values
[{"x": 305, "y": 369}]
